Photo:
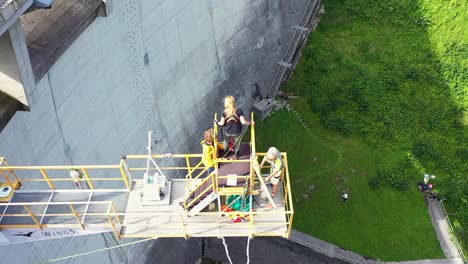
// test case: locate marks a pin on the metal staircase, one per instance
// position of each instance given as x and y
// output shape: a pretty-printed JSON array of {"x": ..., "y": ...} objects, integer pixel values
[
  {"x": 200, "y": 196},
  {"x": 300, "y": 33},
  {"x": 203, "y": 204}
]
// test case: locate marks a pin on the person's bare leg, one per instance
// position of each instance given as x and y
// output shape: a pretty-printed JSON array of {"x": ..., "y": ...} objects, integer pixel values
[{"x": 273, "y": 190}]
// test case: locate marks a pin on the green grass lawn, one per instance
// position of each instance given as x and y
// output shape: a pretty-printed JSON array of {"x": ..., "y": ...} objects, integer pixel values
[
  {"x": 383, "y": 223},
  {"x": 384, "y": 86}
]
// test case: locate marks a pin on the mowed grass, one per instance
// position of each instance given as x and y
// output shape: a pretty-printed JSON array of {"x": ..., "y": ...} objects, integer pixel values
[
  {"x": 384, "y": 223},
  {"x": 383, "y": 85}
]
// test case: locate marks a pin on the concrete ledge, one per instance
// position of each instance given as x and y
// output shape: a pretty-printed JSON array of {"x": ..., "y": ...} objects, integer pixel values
[
  {"x": 329, "y": 249},
  {"x": 336, "y": 252},
  {"x": 8, "y": 108},
  {"x": 49, "y": 32},
  {"x": 424, "y": 261}
]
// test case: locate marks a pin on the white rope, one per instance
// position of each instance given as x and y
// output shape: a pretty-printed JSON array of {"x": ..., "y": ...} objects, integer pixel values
[
  {"x": 226, "y": 249},
  {"x": 248, "y": 250},
  {"x": 99, "y": 250}
]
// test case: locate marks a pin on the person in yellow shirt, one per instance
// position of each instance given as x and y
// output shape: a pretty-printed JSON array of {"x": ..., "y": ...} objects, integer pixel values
[
  {"x": 208, "y": 150},
  {"x": 273, "y": 157}
]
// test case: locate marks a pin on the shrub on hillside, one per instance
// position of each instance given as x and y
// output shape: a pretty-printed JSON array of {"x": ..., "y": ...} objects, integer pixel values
[
  {"x": 374, "y": 182},
  {"x": 397, "y": 171},
  {"x": 424, "y": 150},
  {"x": 462, "y": 154},
  {"x": 339, "y": 124}
]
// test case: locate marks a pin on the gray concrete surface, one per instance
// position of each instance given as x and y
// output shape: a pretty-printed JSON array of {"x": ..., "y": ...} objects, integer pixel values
[
  {"x": 166, "y": 250},
  {"x": 443, "y": 232},
  {"x": 424, "y": 261},
  {"x": 100, "y": 97},
  {"x": 329, "y": 249},
  {"x": 49, "y": 32}
]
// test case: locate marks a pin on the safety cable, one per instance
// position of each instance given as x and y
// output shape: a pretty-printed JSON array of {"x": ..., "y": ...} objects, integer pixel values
[
  {"x": 248, "y": 250},
  {"x": 239, "y": 139},
  {"x": 226, "y": 249},
  {"x": 98, "y": 250}
]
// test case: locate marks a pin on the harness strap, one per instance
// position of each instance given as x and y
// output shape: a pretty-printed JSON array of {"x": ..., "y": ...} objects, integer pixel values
[{"x": 233, "y": 118}]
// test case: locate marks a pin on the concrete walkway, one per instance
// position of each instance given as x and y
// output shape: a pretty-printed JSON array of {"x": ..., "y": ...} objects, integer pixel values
[
  {"x": 440, "y": 225},
  {"x": 329, "y": 249},
  {"x": 442, "y": 229}
]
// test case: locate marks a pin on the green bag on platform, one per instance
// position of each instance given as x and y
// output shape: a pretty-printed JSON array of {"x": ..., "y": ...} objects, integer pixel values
[{"x": 241, "y": 205}]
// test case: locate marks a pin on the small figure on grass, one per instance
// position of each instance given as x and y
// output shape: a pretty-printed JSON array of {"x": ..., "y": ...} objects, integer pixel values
[{"x": 345, "y": 196}]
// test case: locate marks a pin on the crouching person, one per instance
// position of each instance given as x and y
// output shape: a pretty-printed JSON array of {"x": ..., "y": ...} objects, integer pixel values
[{"x": 273, "y": 157}]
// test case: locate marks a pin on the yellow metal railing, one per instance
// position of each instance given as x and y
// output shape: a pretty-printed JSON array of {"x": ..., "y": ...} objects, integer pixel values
[
  {"x": 287, "y": 191},
  {"x": 7, "y": 173},
  {"x": 109, "y": 217},
  {"x": 189, "y": 202},
  {"x": 195, "y": 229},
  {"x": 281, "y": 216},
  {"x": 7, "y": 170}
]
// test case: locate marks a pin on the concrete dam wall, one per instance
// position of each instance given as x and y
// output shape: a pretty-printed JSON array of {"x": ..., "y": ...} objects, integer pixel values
[{"x": 160, "y": 65}]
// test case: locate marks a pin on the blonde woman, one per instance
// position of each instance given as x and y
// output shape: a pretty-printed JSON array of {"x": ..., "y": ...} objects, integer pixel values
[
  {"x": 232, "y": 120},
  {"x": 273, "y": 157}
]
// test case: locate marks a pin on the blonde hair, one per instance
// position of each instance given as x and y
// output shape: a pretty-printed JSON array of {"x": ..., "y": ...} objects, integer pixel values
[
  {"x": 230, "y": 106},
  {"x": 271, "y": 154},
  {"x": 209, "y": 135}
]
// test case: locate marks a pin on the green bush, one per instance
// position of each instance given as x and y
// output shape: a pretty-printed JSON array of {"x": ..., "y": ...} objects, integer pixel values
[
  {"x": 374, "y": 182},
  {"x": 424, "y": 149},
  {"x": 462, "y": 154},
  {"x": 397, "y": 171},
  {"x": 339, "y": 124}
]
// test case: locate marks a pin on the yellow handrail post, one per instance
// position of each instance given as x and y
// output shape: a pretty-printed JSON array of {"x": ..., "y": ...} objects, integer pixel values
[
  {"x": 124, "y": 175},
  {"x": 117, "y": 234},
  {"x": 77, "y": 217},
  {"x": 183, "y": 226},
  {"x": 12, "y": 171},
  {"x": 7, "y": 179},
  {"x": 115, "y": 213},
  {"x": 33, "y": 217},
  {"x": 46, "y": 177},
  {"x": 215, "y": 140},
  {"x": 290, "y": 225},
  {"x": 251, "y": 218},
  {"x": 216, "y": 150},
  {"x": 290, "y": 194},
  {"x": 88, "y": 179},
  {"x": 189, "y": 169},
  {"x": 254, "y": 153}
]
